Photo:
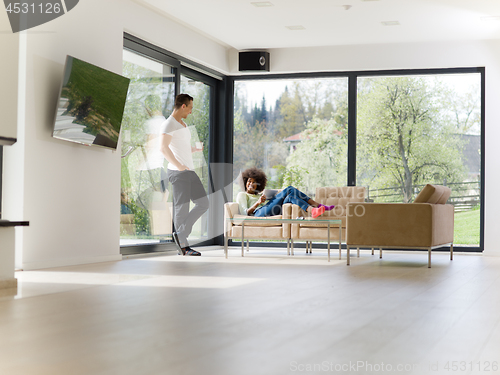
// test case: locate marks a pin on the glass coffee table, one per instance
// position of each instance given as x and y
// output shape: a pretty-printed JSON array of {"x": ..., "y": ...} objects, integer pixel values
[{"x": 250, "y": 219}]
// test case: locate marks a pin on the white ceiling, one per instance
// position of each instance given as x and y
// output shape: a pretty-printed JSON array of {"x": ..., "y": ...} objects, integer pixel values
[{"x": 241, "y": 25}]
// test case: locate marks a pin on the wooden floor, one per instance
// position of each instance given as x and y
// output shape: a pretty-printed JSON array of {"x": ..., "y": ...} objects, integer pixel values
[{"x": 265, "y": 313}]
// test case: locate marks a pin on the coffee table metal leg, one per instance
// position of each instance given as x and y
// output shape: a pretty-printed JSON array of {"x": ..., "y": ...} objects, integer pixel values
[
  {"x": 340, "y": 241},
  {"x": 328, "y": 241},
  {"x": 242, "y": 238},
  {"x": 348, "y": 255},
  {"x": 225, "y": 244}
]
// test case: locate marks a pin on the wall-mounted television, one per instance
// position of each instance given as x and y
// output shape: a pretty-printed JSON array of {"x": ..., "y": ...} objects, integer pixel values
[{"x": 91, "y": 104}]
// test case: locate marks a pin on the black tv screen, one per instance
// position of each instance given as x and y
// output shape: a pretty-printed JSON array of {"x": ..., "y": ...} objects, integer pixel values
[{"x": 91, "y": 104}]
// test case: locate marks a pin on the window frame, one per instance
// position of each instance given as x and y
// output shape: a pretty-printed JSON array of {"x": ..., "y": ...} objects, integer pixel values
[
  {"x": 218, "y": 85},
  {"x": 352, "y": 121}
]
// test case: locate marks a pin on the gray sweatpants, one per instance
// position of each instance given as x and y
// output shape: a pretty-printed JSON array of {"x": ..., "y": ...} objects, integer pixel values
[{"x": 186, "y": 187}]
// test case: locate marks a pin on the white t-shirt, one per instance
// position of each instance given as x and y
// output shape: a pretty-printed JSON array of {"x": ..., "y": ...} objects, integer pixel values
[{"x": 180, "y": 144}]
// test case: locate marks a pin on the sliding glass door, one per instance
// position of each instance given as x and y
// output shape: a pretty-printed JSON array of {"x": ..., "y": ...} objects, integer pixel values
[
  {"x": 419, "y": 129},
  {"x": 145, "y": 216},
  {"x": 146, "y": 219},
  {"x": 199, "y": 122}
]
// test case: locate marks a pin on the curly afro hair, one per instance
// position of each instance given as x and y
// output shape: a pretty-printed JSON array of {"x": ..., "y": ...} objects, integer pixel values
[{"x": 258, "y": 175}]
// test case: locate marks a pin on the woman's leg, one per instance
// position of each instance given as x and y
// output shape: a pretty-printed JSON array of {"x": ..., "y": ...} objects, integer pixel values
[
  {"x": 295, "y": 196},
  {"x": 298, "y": 194},
  {"x": 313, "y": 211},
  {"x": 299, "y": 202},
  {"x": 273, "y": 206},
  {"x": 287, "y": 195},
  {"x": 295, "y": 193},
  {"x": 269, "y": 209}
]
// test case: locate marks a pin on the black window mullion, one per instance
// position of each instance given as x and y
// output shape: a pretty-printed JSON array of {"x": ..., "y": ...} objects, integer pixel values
[
  {"x": 483, "y": 158},
  {"x": 352, "y": 117},
  {"x": 352, "y": 122},
  {"x": 1, "y": 173}
]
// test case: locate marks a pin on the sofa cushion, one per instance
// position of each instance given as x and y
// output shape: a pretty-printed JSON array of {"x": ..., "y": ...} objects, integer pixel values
[
  {"x": 257, "y": 232},
  {"x": 445, "y": 196},
  {"x": 339, "y": 197},
  {"x": 435, "y": 194},
  {"x": 321, "y": 233}
]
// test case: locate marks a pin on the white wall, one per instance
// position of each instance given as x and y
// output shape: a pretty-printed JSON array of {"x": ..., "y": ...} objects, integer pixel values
[
  {"x": 70, "y": 193},
  {"x": 8, "y": 78},
  {"x": 416, "y": 56}
]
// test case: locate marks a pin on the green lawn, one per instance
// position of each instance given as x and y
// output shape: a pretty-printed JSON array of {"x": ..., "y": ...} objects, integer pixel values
[{"x": 467, "y": 227}]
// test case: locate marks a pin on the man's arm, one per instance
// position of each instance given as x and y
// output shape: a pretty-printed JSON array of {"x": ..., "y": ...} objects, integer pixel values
[{"x": 165, "y": 140}]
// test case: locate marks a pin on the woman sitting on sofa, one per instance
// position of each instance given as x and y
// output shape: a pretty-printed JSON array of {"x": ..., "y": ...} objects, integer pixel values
[{"x": 253, "y": 203}]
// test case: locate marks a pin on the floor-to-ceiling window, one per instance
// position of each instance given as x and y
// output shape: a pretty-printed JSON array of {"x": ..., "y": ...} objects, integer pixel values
[
  {"x": 419, "y": 129},
  {"x": 146, "y": 202},
  {"x": 410, "y": 128},
  {"x": 280, "y": 123}
]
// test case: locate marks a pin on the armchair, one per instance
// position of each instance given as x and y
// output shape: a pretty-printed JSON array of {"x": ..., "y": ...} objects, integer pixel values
[{"x": 427, "y": 223}]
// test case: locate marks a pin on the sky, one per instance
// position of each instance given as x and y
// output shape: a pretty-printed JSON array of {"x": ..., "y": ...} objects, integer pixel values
[{"x": 254, "y": 90}]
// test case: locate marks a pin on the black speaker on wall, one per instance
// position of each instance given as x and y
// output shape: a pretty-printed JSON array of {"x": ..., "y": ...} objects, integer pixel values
[{"x": 254, "y": 61}]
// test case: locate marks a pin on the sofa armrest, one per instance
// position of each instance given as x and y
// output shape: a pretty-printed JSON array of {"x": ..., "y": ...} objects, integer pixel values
[
  {"x": 296, "y": 212},
  {"x": 286, "y": 213},
  {"x": 231, "y": 209},
  {"x": 399, "y": 224},
  {"x": 443, "y": 219}
]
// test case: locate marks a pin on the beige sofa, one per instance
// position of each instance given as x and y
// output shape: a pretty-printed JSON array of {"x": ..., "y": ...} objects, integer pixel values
[
  {"x": 427, "y": 223},
  {"x": 311, "y": 231},
  {"x": 254, "y": 228}
]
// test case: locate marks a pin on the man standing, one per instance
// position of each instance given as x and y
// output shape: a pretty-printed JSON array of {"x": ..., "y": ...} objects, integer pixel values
[{"x": 175, "y": 145}]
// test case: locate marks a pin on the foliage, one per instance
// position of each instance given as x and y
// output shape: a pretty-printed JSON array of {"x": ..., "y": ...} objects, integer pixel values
[
  {"x": 278, "y": 177},
  {"x": 292, "y": 112},
  {"x": 259, "y": 143},
  {"x": 322, "y": 154},
  {"x": 255, "y": 146},
  {"x": 141, "y": 219},
  {"x": 294, "y": 176},
  {"x": 463, "y": 110},
  {"x": 148, "y": 95},
  {"x": 403, "y": 139}
]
